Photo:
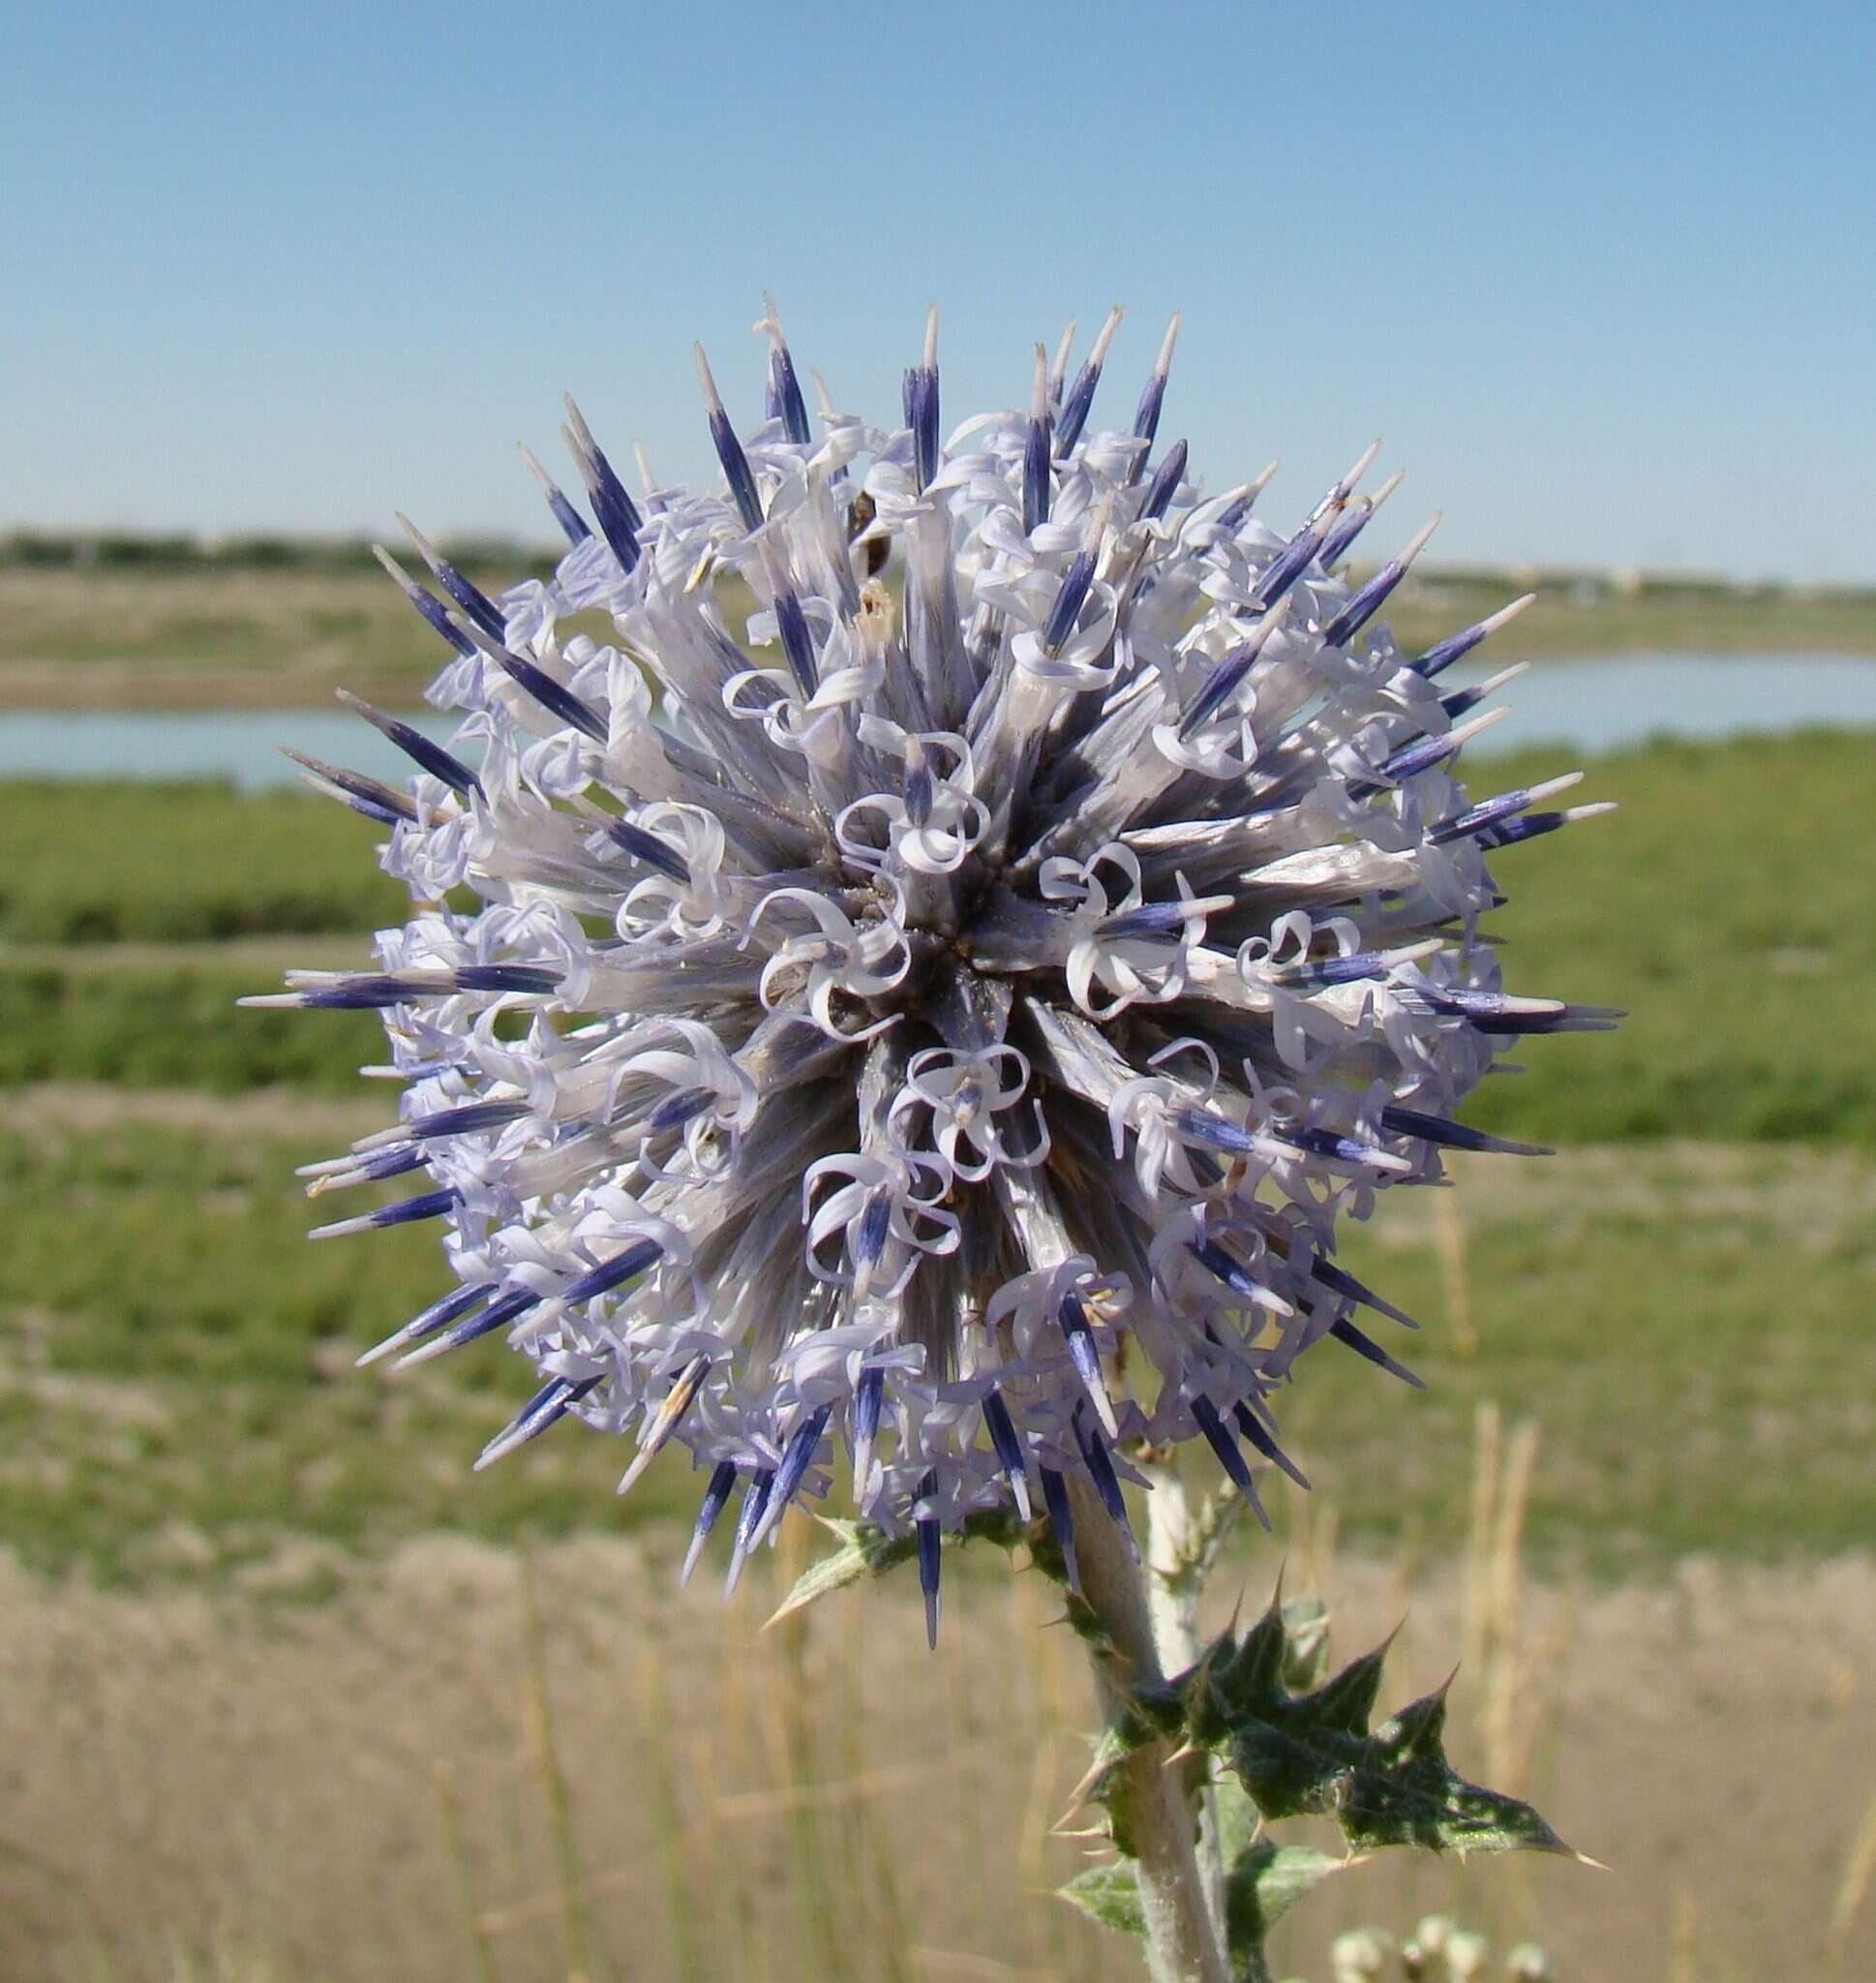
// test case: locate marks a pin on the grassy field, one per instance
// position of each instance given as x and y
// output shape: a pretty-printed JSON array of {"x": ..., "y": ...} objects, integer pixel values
[
  {"x": 192, "y": 636},
  {"x": 1688, "y": 1262},
  {"x": 178, "y": 1395},
  {"x": 1747, "y": 970}
]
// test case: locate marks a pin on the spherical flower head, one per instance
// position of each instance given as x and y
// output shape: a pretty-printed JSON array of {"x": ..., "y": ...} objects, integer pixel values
[{"x": 985, "y": 905}]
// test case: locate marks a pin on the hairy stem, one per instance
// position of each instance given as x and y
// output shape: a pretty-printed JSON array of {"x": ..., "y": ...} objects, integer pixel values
[
  {"x": 1179, "y": 1543},
  {"x": 1155, "y": 1806}
]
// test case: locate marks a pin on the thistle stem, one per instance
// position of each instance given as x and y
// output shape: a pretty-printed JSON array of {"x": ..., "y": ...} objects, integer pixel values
[
  {"x": 1154, "y": 1807},
  {"x": 1180, "y": 1537},
  {"x": 1174, "y": 1573}
]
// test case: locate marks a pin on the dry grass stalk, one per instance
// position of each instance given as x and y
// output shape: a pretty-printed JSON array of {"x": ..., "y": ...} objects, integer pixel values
[
  {"x": 1314, "y": 1521},
  {"x": 462, "y": 1871},
  {"x": 1683, "y": 1940},
  {"x": 1488, "y": 1441},
  {"x": 790, "y": 1732},
  {"x": 1858, "y": 1877},
  {"x": 575, "y": 1929},
  {"x": 655, "y": 1709},
  {"x": 1455, "y": 1275},
  {"x": 1514, "y": 1675},
  {"x": 1502, "y": 1629}
]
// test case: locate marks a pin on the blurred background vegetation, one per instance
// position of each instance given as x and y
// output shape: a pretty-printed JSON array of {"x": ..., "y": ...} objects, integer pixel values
[
  {"x": 1724, "y": 1135},
  {"x": 1674, "y": 1311}
]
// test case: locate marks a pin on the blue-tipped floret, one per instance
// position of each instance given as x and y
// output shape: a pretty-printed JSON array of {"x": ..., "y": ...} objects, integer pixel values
[
  {"x": 427, "y": 754},
  {"x": 930, "y": 1559},
  {"x": 1007, "y": 1445},
  {"x": 1264, "y": 1440},
  {"x": 547, "y": 1407},
  {"x": 1061, "y": 1519},
  {"x": 1099, "y": 1460},
  {"x": 470, "y": 597},
  {"x": 1080, "y": 394},
  {"x": 553, "y": 696},
  {"x": 1070, "y": 597},
  {"x": 1166, "y": 478},
  {"x": 649, "y": 848},
  {"x": 716, "y": 1496}
]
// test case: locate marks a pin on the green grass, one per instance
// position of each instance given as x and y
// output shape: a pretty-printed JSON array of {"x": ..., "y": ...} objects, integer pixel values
[
  {"x": 193, "y": 637},
  {"x": 108, "y": 862},
  {"x": 1726, "y": 906},
  {"x": 152, "y": 1025},
  {"x": 1686, "y": 1324},
  {"x": 1590, "y": 615},
  {"x": 180, "y": 1392},
  {"x": 1684, "y": 1317},
  {"x": 180, "y": 1367}
]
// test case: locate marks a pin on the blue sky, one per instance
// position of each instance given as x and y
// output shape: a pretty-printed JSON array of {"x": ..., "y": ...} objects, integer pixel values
[{"x": 1602, "y": 276}]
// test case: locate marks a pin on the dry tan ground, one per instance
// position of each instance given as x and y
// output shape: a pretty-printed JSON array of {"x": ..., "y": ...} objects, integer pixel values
[
  {"x": 139, "y": 685},
  {"x": 61, "y": 1107},
  {"x": 180, "y": 1771},
  {"x": 139, "y": 638}
]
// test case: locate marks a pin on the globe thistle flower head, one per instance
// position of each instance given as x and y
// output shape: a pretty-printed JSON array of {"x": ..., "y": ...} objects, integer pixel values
[{"x": 941, "y": 967}]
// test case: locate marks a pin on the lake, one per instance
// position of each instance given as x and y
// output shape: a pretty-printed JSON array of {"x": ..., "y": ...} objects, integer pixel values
[{"x": 1587, "y": 706}]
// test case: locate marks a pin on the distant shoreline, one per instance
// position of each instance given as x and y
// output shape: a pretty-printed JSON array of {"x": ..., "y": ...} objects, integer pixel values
[
  {"x": 133, "y": 689},
  {"x": 175, "y": 632}
]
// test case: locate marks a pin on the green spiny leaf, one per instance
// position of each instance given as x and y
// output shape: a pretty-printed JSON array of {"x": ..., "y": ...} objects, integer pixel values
[
  {"x": 865, "y": 1550},
  {"x": 1305, "y": 1748},
  {"x": 1409, "y": 1795},
  {"x": 1253, "y": 1671},
  {"x": 1109, "y": 1894},
  {"x": 1347, "y": 1699},
  {"x": 1237, "y": 1819},
  {"x": 1312, "y": 1752},
  {"x": 1161, "y": 1704},
  {"x": 1182, "y": 1707},
  {"x": 1103, "y": 1785},
  {"x": 1306, "y": 1643},
  {"x": 1263, "y": 1882}
]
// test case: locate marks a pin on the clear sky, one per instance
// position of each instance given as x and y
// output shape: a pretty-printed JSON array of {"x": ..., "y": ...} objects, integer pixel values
[{"x": 1603, "y": 276}]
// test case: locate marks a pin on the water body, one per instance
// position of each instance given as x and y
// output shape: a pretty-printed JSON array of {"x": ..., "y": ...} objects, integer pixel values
[{"x": 1588, "y": 706}]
